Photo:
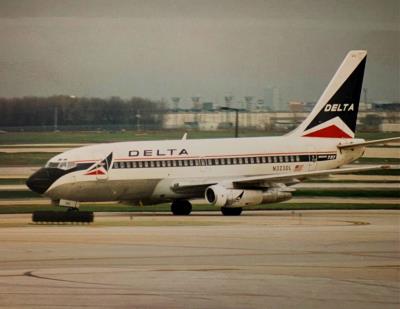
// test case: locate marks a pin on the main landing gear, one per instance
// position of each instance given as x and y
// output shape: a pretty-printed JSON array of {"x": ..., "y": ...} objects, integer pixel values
[
  {"x": 181, "y": 207},
  {"x": 229, "y": 211}
]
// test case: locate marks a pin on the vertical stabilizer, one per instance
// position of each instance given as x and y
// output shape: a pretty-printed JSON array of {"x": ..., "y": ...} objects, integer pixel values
[{"x": 335, "y": 114}]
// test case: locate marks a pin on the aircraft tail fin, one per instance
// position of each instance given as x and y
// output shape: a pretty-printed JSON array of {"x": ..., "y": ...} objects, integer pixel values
[{"x": 335, "y": 114}]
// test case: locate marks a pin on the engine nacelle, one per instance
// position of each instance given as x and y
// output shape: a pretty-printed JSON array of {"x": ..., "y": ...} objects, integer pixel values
[
  {"x": 275, "y": 196},
  {"x": 222, "y": 197}
]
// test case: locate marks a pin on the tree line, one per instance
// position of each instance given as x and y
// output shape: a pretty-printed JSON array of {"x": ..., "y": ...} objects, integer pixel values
[{"x": 69, "y": 111}]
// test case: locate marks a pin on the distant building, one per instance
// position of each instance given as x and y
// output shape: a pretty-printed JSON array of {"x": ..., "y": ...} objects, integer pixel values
[
  {"x": 269, "y": 98},
  {"x": 308, "y": 106},
  {"x": 296, "y": 106},
  {"x": 208, "y": 106},
  {"x": 389, "y": 127},
  {"x": 278, "y": 121},
  {"x": 386, "y": 106},
  {"x": 260, "y": 105}
]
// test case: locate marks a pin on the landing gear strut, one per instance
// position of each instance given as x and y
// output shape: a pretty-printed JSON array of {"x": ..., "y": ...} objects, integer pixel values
[
  {"x": 181, "y": 207},
  {"x": 228, "y": 211}
]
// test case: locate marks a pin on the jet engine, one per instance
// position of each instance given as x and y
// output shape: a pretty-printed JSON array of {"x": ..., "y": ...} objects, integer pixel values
[{"x": 223, "y": 197}]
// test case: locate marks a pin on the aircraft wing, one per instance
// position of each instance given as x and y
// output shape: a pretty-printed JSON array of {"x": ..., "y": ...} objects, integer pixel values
[
  {"x": 288, "y": 177},
  {"x": 197, "y": 185},
  {"x": 374, "y": 142}
]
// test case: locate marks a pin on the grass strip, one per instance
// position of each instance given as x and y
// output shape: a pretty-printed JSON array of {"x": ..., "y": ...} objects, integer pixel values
[
  {"x": 12, "y": 181},
  {"x": 348, "y": 193},
  {"x": 15, "y": 194},
  {"x": 377, "y": 161},
  {"x": 166, "y": 207},
  {"x": 25, "y": 159},
  {"x": 114, "y": 136},
  {"x": 345, "y": 192},
  {"x": 11, "y": 194},
  {"x": 351, "y": 181},
  {"x": 381, "y": 172}
]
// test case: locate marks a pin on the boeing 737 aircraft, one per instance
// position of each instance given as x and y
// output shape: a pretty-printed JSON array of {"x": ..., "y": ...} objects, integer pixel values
[{"x": 230, "y": 173}]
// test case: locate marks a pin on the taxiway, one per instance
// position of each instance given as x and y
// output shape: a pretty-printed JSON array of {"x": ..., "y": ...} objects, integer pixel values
[{"x": 262, "y": 259}]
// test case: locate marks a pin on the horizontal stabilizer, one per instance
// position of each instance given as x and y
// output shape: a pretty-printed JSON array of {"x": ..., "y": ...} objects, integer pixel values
[{"x": 374, "y": 142}]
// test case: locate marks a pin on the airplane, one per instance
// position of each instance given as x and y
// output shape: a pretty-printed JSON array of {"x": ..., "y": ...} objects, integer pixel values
[{"x": 229, "y": 173}]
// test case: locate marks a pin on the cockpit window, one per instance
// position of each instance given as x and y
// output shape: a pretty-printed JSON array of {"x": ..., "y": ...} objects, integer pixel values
[
  {"x": 64, "y": 165},
  {"x": 52, "y": 164}
]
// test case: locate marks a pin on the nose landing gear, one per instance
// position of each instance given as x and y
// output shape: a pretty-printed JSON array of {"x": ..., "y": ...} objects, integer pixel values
[{"x": 71, "y": 215}]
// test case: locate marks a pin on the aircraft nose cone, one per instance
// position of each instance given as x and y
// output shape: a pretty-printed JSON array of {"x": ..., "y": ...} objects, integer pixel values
[{"x": 40, "y": 181}]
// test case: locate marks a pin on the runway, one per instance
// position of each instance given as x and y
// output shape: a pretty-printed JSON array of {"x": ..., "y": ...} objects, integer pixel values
[{"x": 262, "y": 259}]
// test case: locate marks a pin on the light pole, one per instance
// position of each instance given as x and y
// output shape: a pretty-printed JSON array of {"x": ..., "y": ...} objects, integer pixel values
[
  {"x": 236, "y": 110},
  {"x": 176, "y": 103},
  {"x": 138, "y": 116}
]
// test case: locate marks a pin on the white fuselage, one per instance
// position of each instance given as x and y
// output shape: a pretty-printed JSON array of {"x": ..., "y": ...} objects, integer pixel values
[{"x": 146, "y": 171}]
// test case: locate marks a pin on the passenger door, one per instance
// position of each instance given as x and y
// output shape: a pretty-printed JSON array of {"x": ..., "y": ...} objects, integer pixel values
[{"x": 313, "y": 159}]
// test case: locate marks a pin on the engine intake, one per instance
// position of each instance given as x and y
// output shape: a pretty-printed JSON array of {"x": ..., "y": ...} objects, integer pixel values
[{"x": 223, "y": 197}]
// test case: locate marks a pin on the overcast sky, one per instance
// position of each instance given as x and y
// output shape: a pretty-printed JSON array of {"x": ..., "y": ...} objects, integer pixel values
[{"x": 183, "y": 48}]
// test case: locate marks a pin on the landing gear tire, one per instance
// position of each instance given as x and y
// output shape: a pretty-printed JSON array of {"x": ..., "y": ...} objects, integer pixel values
[
  {"x": 72, "y": 215},
  {"x": 181, "y": 208},
  {"x": 227, "y": 211}
]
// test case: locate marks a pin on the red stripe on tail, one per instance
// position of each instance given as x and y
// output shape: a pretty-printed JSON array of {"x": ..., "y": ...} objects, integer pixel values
[{"x": 331, "y": 131}]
